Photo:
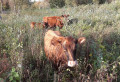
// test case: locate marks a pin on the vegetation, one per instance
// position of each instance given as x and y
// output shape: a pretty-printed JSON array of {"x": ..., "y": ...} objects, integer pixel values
[{"x": 22, "y": 56}]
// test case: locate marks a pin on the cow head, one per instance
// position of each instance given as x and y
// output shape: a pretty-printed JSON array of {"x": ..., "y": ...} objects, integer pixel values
[
  {"x": 67, "y": 47},
  {"x": 59, "y": 23},
  {"x": 32, "y": 24},
  {"x": 65, "y": 16}
]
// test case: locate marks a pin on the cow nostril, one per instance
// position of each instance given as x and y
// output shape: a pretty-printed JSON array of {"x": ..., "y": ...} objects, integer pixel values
[{"x": 76, "y": 62}]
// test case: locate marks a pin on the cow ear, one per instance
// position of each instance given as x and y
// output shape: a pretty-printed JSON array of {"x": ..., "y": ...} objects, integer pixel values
[
  {"x": 56, "y": 40},
  {"x": 81, "y": 40},
  {"x": 68, "y": 15}
]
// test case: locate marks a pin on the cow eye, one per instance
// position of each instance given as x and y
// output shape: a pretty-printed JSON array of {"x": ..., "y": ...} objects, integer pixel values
[{"x": 70, "y": 47}]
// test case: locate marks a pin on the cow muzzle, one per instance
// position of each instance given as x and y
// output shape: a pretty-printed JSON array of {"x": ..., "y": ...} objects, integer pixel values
[{"x": 72, "y": 63}]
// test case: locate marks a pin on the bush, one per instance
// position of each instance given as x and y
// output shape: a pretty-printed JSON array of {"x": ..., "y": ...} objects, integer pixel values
[
  {"x": 40, "y": 5},
  {"x": 57, "y": 3}
]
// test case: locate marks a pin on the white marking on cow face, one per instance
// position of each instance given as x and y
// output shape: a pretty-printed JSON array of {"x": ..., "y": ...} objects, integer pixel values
[{"x": 72, "y": 63}]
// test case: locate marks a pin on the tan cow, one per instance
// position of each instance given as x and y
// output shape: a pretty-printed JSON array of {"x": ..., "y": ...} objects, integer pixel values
[{"x": 60, "y": 50}]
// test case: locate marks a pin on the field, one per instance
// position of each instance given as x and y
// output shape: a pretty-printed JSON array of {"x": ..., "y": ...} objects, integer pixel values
[{"x": 22, "y": 56}]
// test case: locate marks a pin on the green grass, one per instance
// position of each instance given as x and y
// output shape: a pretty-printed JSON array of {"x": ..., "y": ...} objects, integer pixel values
[{"x": 100, "y": 24}]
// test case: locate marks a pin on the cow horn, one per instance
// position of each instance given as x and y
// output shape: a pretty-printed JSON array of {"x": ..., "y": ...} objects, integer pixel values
[{"x": 81, "y": 40}]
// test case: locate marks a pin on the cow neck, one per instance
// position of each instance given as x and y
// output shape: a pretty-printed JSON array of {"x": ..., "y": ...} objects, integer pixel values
[{"x": 60, "y": 19}]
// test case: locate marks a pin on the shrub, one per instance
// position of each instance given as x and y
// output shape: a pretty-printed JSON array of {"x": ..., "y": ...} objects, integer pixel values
[{"x": 57, "y": 3}]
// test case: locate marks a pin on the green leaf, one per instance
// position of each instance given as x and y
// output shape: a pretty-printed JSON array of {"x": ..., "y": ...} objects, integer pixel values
[
  {"x": 2, "y": 80},
  {"x": 14, "y": 81},
  {"x": 13, "y": 69},
  {"x": 11, "y": 78},
  {"x": 17, "y": 78},
  {"x": 16, "y": 74}
]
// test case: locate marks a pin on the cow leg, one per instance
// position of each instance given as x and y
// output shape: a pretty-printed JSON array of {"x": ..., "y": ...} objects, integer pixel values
[
  {"x": 59, "y": 28},
  {"x": 53, "y": 28},
  {"x": 45, "y": 25}
]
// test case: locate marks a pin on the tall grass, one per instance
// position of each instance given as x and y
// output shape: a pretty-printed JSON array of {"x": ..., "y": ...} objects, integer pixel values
[{"x": 98, "y": 59}]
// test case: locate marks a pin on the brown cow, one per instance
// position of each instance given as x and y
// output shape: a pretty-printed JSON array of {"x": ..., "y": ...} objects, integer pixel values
[
  {"x": 38, "y": 25},
  {"x": 54, "y": 21},
  {"x": 32, "y": 24},
  {"x": 61, "y": 50}
]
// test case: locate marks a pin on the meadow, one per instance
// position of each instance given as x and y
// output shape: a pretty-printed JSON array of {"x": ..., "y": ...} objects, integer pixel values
[{"x": 22, "y": 56}]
